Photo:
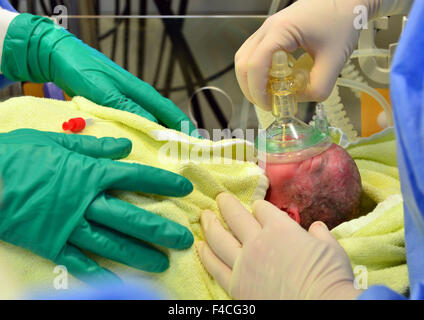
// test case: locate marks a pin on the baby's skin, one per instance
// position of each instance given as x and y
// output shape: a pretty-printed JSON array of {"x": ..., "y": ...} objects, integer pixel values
[{"x": 326, "y": 187}]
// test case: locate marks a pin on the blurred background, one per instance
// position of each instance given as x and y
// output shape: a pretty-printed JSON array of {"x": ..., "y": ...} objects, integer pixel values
[{"x": 185, "y": 49}]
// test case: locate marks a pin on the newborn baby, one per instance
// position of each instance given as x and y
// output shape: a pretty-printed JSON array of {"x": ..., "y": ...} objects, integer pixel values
[{"x": 326, "y": 187}]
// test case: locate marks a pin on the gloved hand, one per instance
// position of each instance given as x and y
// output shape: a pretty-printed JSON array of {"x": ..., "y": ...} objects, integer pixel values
[
  {"x": 323, "y": 28},
  {"x": 37, "y": 50},
  {"x": 54, "y": 202},
  {"x": 272, "y": 257}
]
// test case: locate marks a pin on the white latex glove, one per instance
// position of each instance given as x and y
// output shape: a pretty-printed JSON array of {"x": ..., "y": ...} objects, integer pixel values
[
  {"x": 323, "y": 28},
  {"x": 273, "y": 257}
]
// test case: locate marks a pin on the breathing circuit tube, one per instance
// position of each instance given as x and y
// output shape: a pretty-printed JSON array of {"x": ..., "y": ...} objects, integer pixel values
[
  {"x": 349, "y": 71},
  {"x": 352, "y": 78},
  {"x": 370, "y": 53},
  {"x": 336, "y": 115},
  {"x": 372, "y": 92}
]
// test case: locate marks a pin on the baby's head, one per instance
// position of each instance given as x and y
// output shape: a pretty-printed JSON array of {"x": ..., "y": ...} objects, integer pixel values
[{"x": 326, "y": 187}]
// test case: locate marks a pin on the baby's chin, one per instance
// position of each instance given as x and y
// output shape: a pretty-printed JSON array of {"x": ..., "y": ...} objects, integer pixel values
[{"x": 329, "y": 190}]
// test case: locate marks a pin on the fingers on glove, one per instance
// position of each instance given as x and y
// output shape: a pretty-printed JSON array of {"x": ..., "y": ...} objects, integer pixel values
[
  {"x": 241, "y": 222},
  {"x": 323, "y": 76},
  {"x": 217, "y": 269},
  {"x": 241, "y": 60},
  {"x": 107, "y": 147},
  {"x": 223, "y": 244},
  {"x": 162, "y": 108},
  {"x": 139, "y": 223},
  {"x": 253, "y": 69},
  {"x": 170, "y": 115},
  {"x": 83, "y": 267},
  {"x": 126, "y": 104},
  {"x": 118, "y": 247},
  {"x": 320, "y": 231},
  {"x": 136, "y": 177}
]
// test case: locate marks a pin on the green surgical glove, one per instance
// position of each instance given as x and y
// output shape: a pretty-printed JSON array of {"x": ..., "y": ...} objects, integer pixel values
[
  {"x": 54, "y": 202},
  {"x": 37, "y": 50}
]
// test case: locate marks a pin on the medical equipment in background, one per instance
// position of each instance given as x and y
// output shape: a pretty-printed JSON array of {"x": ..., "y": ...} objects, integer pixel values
[
  {"x": 367, "y": 54},
  {"x": 181, "y": 57},
  {"x": 192, "y": 113}
]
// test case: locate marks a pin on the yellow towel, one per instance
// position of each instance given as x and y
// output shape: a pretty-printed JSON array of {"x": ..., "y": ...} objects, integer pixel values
[
  {"x": 375, "y": 241},
  {"x": 186, "y": 278}
]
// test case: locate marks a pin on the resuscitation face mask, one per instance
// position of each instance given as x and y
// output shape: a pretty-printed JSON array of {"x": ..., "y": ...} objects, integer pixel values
[{"x": 310, "y": 177}]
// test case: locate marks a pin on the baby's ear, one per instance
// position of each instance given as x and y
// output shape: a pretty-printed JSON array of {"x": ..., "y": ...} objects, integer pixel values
[{"x": 267, "y": 213}]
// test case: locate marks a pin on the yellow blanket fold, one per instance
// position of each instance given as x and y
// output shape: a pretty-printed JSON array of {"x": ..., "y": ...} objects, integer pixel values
[{"x": 374, "y": 241}]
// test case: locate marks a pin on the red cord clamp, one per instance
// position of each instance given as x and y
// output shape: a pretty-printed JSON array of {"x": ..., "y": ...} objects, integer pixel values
[{"x": 74, "y": 125}]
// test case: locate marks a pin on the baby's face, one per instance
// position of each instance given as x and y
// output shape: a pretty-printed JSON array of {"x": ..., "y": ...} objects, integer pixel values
[{"x": 326, "y": 187}]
